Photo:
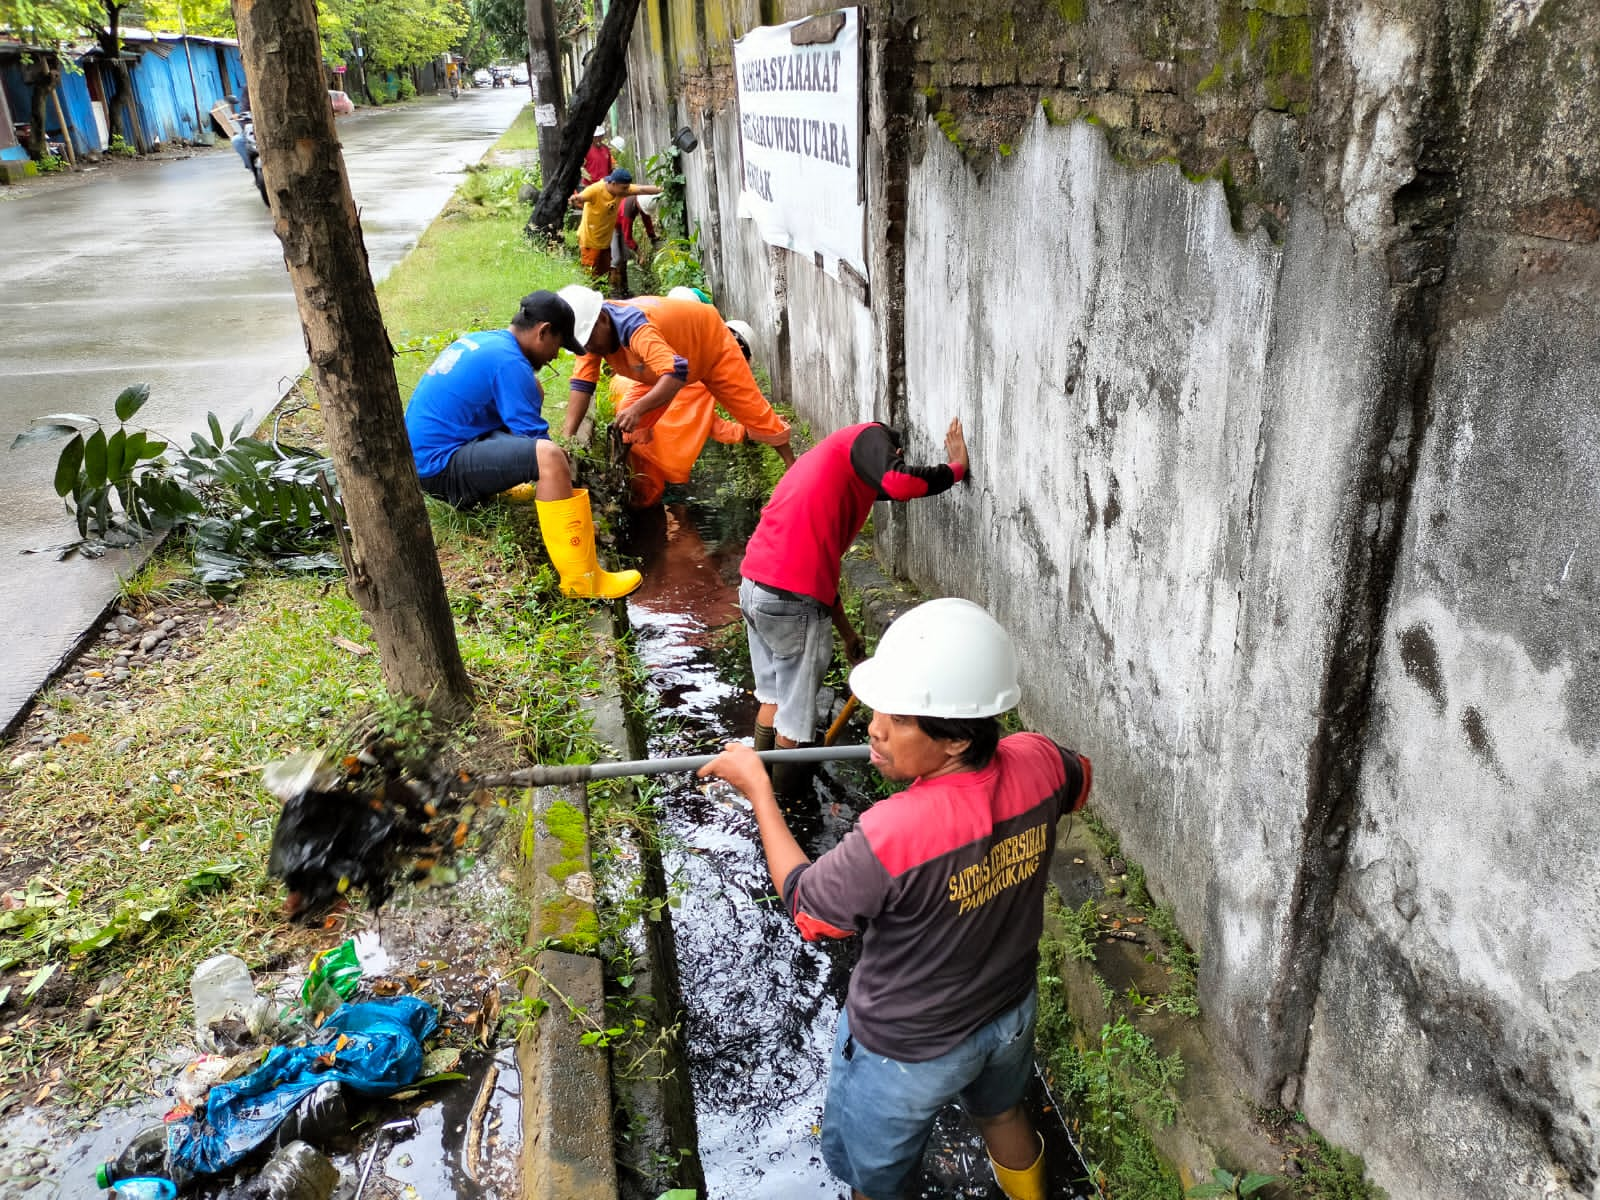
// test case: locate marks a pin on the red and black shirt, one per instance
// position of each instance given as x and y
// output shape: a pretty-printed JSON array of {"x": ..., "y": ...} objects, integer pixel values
[
  {"x": 945, "y": 884},
  {"x": 822, "y": 502}
]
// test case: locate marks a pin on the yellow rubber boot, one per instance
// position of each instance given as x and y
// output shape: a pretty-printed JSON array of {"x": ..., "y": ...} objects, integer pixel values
[
  {"x": 1022, "y": 1185},
  {"x": 568, "y": 529}
]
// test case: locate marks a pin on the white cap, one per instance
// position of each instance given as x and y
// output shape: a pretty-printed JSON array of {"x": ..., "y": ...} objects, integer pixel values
[
  {"x": 599, "y": 131},
  {"x": 585, "y": 304},
  {"x": 649, "y": 204},
  {"x": 945, "y": 658},
  {"x": 618, "y": 144},
  {"x": 684, "y": 293}
]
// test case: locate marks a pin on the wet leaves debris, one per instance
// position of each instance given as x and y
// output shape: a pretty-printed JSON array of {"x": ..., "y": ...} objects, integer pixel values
[{"x": 360, "y": 824}]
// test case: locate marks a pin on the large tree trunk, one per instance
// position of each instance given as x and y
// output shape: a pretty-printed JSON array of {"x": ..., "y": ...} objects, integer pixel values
[
  {"x": 394, "y": 574},
  {"x": 122, "y": 109},
  {"x": 544, "y": 73},
  {"x": 42, "y": 78},
  {"x": 602, "y": 80}
]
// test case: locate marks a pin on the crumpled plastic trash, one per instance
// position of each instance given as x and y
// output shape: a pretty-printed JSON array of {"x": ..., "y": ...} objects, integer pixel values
[
  {"x": 333, "y": 978},
  {"x": 374, "y": 1048}
]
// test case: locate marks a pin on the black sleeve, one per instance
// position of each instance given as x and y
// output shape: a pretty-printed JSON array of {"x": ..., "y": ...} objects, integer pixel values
[{"x": 880, "y": 462}]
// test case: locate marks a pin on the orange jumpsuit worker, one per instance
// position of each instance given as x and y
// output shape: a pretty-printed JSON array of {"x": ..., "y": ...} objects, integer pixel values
[
  {"x": 667, "y": 345},
  {"x": 666, "y": 451}
]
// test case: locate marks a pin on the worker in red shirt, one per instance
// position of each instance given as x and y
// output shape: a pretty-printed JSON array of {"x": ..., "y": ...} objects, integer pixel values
[
  {"x": 944, "y": 883},
  {"x": 597, "y": 160},
  {"x": 790, "y": 591},
  {"x": 666, "y": 345}
]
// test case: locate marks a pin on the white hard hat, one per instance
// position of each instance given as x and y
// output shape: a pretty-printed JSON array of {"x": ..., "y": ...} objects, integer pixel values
[
  {"x": 649, "y": 204},
  {"x": 585, "y": 304},
  {"x": 684, "y": 293},
  {"x": 618, "y": 144},
  {"x": 746, "y": 335},
  {"x": 599, "y": 131},
  {"x": 945, "y": 658}
]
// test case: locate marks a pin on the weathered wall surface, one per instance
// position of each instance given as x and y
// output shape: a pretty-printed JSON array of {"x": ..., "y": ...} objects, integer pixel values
[{"x": 1274, "y": 327}]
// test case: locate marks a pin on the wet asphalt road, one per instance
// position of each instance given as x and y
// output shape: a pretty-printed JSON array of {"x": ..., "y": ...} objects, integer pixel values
[{"x": 170, "y": 274}]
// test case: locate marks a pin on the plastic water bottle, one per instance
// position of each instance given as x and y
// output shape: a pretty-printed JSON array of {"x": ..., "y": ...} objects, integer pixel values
[
  {"x": 297, "y": 1172},
  {"x": 222, "y": 988},
  {"x": 144, "y": 1157},
  {"x": 321, "y": 1115},
  {"x": 145, "y": 1187}
]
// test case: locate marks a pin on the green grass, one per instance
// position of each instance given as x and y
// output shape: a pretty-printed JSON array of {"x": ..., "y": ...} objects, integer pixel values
[{"x": 523, "y": 134}]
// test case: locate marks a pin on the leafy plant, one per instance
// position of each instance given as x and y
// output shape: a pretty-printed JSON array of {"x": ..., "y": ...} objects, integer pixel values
[
  {"x": 406, "y": 90},
  {"x": 676, "y": 263},
  {"x": 50, "y": 164},
  {"x": 240, "y": 498},
  {"x": 665, "y": 170},
  {"x": 119, "y": 145},
  {"x": 1225, "y": 1183}
]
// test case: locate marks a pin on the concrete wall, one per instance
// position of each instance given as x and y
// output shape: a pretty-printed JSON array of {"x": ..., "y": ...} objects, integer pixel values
[{"x": 1274, "y": 329}]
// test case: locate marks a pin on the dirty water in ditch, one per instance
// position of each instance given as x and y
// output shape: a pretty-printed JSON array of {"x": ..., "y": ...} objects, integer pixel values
[{"x": 761, "y": 1004}]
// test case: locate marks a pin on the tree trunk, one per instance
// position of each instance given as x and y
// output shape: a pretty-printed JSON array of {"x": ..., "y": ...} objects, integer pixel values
[
  {"x": 43, "y": 81},
  {"x": 394, "y": 573},
  {"x": 602, "y": 80},
  {"x": 544, "y": 74}
]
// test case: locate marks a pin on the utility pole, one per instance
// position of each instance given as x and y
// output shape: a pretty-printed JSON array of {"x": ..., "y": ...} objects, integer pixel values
[{"x": 544, "y": 74}]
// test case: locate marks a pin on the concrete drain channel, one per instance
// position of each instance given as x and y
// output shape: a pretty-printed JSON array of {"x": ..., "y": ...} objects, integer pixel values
[{"x": 728, "y": 1101}]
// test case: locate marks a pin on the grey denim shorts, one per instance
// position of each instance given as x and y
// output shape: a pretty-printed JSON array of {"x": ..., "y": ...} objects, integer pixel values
[{"x": 791, "y": 645}]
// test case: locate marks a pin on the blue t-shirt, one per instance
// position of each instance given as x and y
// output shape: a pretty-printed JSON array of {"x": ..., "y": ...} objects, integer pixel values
[{"x": 481, "y": 384}]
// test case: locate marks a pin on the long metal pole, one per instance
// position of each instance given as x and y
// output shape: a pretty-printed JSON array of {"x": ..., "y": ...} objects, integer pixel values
[{"x": 584, "y": 772}]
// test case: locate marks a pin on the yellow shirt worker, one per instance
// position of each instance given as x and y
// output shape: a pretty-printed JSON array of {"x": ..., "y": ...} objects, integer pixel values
[{"x": 600, "y": 203}]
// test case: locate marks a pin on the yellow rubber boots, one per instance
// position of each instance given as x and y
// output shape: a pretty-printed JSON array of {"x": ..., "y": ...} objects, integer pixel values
[
  {"x": 1028, "y": 1184},
  {"x": 568, "y": 529}
]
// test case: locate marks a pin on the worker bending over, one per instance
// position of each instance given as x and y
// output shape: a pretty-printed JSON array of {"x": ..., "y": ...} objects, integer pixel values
[
  {"x": 665, "y": 452},
  {"x": 790, "y": 590},
  {"x": 944, "y": 882},
  {"x": 476, "y": 426},
  {"x": 666, "y": 345}
]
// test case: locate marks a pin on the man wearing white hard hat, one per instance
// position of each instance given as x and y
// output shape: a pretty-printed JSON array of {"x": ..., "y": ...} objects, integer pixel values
[
  {"x": 667, "y": 345},
  {"x": 944, "y": 883},
  {"x": 597, "y": 160},
  {"x": 666, "y": 451},
  {"x": 623, "y": 242}
]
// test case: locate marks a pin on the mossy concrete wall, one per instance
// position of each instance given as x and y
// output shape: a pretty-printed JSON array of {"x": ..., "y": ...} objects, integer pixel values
[{"x": 1274, "y": 328}]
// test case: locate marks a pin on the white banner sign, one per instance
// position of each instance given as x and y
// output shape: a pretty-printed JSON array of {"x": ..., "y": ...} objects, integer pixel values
[{"x": 800, "y": 136}]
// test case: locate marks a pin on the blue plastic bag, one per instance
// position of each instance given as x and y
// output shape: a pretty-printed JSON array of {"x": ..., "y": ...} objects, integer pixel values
[{"x": 382, "y": 1053}]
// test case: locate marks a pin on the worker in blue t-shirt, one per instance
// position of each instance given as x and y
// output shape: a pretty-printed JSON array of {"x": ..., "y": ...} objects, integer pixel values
[{"x": 477, "y": 428}]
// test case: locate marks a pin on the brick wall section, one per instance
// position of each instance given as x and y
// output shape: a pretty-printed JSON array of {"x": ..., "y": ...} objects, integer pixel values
[{"x": 1166, "y": 81}]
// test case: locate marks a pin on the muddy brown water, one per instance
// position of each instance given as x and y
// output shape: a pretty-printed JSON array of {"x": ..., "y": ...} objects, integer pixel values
[{"x": 761, "y": 1004}]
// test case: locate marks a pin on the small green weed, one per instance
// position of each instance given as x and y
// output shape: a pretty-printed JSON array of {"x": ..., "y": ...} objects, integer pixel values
[{"x": 1225, "y": 1183}]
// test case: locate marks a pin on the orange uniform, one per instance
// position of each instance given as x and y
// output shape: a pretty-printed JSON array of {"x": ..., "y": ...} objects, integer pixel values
[
  {"x": 685, "y": 339},
  {"x": 665, "y": 450}
]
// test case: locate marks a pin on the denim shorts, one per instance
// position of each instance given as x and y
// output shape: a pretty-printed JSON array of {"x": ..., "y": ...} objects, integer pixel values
[
  {"x": 484, "y": 467},
  {"x": 880, "y": 1111},
  {"x": 791, "y": 645}
]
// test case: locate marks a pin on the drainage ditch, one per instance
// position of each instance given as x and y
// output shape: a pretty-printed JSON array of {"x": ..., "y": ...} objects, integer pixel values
[{"x": 759, "y": 1005}]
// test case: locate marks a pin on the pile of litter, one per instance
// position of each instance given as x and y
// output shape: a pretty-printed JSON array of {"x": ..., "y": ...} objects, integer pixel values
[{"x": 362, "y": 823}]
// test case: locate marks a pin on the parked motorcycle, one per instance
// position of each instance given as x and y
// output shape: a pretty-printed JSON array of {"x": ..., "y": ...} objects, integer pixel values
[{"x": 244, "y": 144}]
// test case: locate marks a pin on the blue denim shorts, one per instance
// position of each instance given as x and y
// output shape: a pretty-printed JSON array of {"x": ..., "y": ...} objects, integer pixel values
[
  {"x": 791, "y": 645},
  {"x": 880, "y": 1111}
]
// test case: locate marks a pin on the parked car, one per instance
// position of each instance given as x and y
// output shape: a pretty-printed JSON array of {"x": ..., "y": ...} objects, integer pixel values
[
  {"x": 481, "y": 78},
  {"x": 343, "y": 106},
  {"x": 519, "y": 74}
]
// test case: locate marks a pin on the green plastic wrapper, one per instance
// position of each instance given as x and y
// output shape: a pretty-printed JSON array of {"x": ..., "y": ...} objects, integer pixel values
[{"x": 334, "y": 976}]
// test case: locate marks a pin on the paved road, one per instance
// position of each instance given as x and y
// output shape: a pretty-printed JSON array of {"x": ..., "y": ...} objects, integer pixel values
[{"x": 170, "y": 275}]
